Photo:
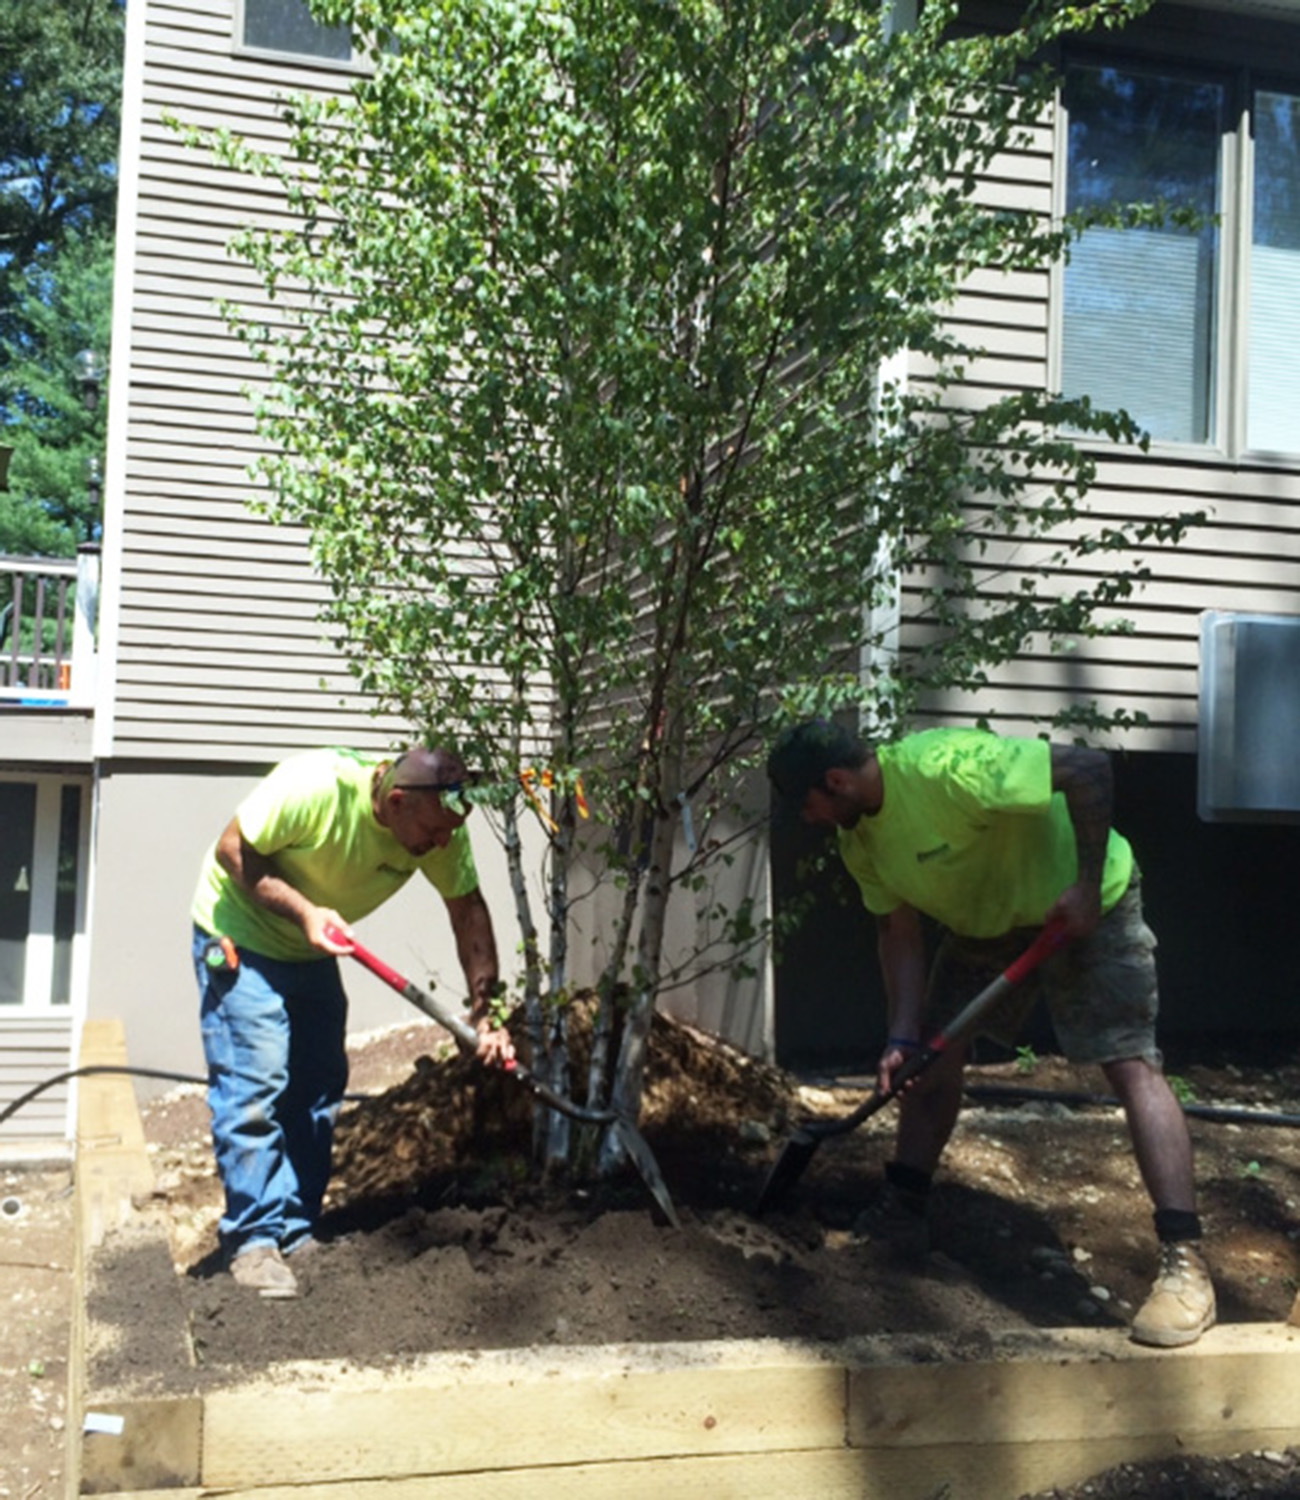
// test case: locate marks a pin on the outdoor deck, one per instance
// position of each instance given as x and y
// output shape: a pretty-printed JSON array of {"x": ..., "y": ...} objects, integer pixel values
[{"x": 48, "y": 610}]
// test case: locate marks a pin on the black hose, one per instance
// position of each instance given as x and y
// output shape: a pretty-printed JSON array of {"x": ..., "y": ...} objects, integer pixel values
[
  {"x": 15, "y": 1105},
  {"x": 1221, "y": 1114}
]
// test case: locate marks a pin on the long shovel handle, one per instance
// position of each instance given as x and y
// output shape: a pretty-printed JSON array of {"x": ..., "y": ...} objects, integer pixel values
[
  {"x": 964, "y": 1022},
  {"x": 958, "y": 1029},
  {"x": 802, "y": 1144},
  {"x": 446, "y": 1017},
  {"x": 467, "y": 1038},
  {"x": 465, "y": 1035}
]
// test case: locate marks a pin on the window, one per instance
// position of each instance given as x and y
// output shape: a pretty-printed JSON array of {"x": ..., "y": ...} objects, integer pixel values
[
  {"x": 18, "y": 812},
  {"x": 1273, "y": 332},
  {"x": 1194, "y": 331},
  {"x": 43, "y": 859},
  {"x": 288, "y": 27}
]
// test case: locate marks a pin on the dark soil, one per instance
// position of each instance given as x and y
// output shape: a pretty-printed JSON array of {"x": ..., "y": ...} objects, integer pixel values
[{"x": 435, "y": 1237}]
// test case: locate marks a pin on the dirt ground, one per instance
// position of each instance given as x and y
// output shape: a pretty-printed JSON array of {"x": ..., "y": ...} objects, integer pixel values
[
  {"x": 36, "y": 1274},
  {"x": 435, "y": 1238}
]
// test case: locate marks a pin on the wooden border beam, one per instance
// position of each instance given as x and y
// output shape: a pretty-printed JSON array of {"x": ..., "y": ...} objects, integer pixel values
[
  {"x": 113, "y": 1171},
  {"x": 702, "y": 1421}
]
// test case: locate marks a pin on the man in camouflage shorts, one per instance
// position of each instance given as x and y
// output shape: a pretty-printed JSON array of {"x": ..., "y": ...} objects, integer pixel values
[
  {"x": 993, "y": 837},
  {"x": 1100, "y": 992}
]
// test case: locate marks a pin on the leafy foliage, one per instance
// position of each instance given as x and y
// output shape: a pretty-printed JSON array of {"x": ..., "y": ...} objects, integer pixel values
[
  {"x": 65, "y": 308},
  {"x": 581, "y": 392},
  {"x": 60, "y": 84}
]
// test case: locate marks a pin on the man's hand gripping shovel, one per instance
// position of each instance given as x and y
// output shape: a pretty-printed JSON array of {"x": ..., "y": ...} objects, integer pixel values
[
  {"x": 629, "y": 1137},
  {"x": 803, "y": 1142}
]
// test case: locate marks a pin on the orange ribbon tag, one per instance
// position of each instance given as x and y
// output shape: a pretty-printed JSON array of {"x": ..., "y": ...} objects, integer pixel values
[{"x": 534, "y": 782}]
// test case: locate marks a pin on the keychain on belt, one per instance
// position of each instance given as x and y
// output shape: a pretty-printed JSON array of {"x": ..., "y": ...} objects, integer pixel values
[{"x": 221, "y": 953}]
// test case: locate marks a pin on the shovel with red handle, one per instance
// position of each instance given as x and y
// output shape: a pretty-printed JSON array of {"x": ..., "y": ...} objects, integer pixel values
[
  {"x": 803, "y": 1142},
  {"x": 629, "y": 1137}
]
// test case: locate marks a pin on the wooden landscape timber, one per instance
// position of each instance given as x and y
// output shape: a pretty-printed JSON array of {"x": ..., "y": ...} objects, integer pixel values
[{"x": 734, "y": 1418}]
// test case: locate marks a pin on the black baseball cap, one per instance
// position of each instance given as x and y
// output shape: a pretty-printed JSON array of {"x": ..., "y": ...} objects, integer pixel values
[{"x": 799, "y": 760}]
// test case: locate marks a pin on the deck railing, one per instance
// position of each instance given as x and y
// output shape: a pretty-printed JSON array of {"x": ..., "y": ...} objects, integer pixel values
[{"x": 48, "y": 614}]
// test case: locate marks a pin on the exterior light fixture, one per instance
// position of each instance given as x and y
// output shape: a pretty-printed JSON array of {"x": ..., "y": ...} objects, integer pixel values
[{"x": 90, "y": 377}]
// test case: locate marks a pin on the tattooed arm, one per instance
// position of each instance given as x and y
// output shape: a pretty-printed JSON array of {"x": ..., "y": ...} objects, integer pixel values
[{"x": 1084, "y": 776}]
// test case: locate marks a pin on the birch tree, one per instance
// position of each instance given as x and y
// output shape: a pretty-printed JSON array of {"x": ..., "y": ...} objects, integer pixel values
[{"x": 580, "y": 395}]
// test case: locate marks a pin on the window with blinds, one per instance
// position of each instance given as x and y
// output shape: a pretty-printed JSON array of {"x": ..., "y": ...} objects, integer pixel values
[{"x": 1152, "y": 323}]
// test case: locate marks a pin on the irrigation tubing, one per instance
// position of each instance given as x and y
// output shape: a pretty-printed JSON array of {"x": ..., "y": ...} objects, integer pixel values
[
  {"x": 91, "y": 1070},
  {"x": 1219, "y": 1114}
]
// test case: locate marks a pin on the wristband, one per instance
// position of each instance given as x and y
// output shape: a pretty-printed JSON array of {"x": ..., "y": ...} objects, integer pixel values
[{"x": 901, "y": 1041}]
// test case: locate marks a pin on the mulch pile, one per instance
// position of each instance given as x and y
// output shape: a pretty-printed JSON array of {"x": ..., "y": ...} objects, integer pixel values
[{"x": 453, "y": 1114}]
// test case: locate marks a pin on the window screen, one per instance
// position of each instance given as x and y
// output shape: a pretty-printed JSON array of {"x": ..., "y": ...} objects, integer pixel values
[
  {"x": 288, "y": 26},
  {"x": 17, "y": 853}
]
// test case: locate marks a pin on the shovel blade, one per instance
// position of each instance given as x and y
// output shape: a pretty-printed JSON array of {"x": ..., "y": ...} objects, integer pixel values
[
  {"x": 787, "y": 1169},
  {"x": 642, "y": 1158}
]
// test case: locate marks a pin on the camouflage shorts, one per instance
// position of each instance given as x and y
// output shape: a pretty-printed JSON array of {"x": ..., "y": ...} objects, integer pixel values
[{"x": 1100, "y": 993}]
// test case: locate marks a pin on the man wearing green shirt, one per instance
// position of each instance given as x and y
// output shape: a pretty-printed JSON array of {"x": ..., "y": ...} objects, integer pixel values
[
  {"x": 993, "y": 837},
  {"x": 326, "y": 838}
]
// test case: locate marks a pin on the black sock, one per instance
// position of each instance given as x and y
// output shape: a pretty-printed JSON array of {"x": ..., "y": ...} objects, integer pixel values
[
  {"x": 1177, "y": 1224},
  {"x": 910, "y": 1181}
]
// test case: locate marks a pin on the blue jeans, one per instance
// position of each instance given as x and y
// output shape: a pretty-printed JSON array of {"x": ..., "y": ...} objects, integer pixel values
[{"x": 273, "y": 1036}]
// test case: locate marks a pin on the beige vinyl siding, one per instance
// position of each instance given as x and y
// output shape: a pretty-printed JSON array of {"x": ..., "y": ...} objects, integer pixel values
[
  {"x": 31, "y": 1051},
  {"x": 219, "y": 653},
  {"x": 1246, "y": 557}
]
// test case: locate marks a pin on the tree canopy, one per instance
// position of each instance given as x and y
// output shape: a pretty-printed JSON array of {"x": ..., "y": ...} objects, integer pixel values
[
  {"x": 60, "y": 87},
  {"x": 582, "y": 388}
]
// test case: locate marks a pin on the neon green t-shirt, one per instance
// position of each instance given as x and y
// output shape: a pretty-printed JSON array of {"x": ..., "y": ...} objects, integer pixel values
[
  {"x": 971, "y": 833},
  {"x": 313, "y": 813}
]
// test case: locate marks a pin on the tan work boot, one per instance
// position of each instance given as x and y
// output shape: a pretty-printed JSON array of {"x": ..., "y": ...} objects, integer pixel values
[
  {"x": 1181, "y": 1305},
  {"x": 262, "y": 1269}
]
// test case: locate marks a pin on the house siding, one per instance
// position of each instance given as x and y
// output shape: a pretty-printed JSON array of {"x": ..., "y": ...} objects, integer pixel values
[
  {"x": 1246, "y": 555},
  {"x": 219, "y": 654},
  {"x": 219, "y": 651},
  {"x": 33, "y": 1050}
]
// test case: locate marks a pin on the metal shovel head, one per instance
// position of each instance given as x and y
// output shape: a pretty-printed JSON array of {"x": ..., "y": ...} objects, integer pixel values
[
  {"x": 788, "y": 1168},
  {"x": 642, "y": 1158},
  {"x": 803, "y": 1141}
]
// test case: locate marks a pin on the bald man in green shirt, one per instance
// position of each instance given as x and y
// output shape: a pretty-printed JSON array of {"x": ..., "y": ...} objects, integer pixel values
[
  {"x": 993, "y": 837},
  {"x": 326, "y": 838}
]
